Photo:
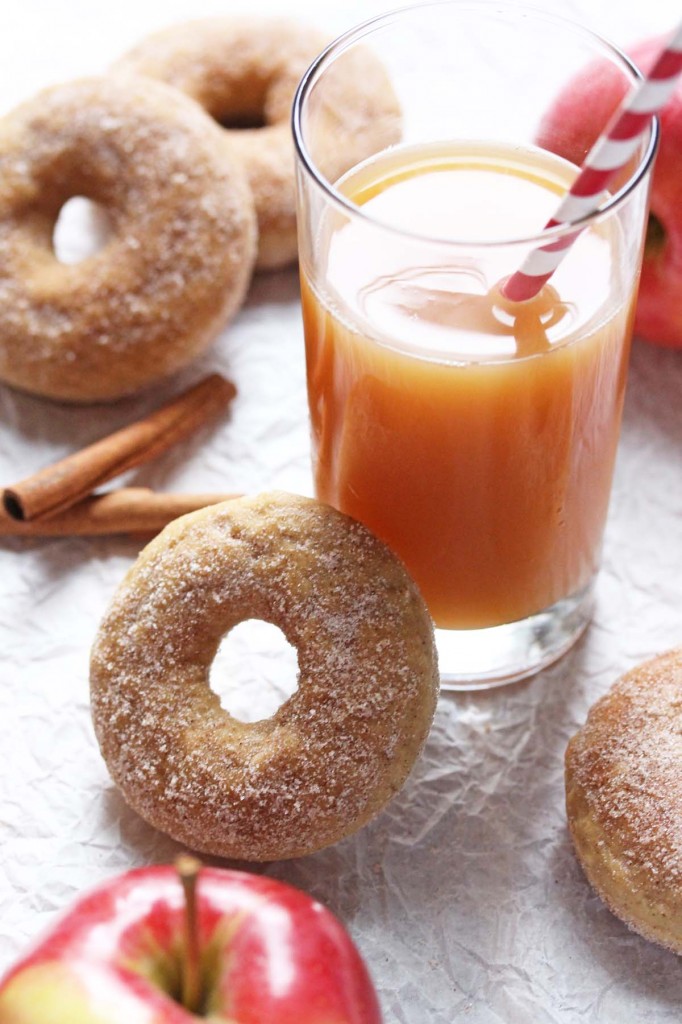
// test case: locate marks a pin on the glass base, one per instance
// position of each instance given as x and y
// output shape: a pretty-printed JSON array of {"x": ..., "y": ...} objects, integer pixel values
[{"x": 478, "y": 659}]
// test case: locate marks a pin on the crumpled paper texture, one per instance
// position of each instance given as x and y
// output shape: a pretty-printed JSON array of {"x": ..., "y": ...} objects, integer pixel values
[{"x": 464, "y": 895}]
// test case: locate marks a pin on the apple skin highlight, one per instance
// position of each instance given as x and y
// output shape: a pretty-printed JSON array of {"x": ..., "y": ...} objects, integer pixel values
[
  {"x": 576, "y": 117},
  {"x": 269, "y": 955}
]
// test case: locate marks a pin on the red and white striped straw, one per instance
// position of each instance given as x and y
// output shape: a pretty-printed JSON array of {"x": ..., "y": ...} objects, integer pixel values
[{"x": 610, "y": 153}]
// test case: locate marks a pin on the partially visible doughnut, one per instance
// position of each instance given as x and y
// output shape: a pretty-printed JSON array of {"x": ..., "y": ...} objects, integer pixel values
[
  {"x": 244, "y": 72},
  {"x": 344, "y": 742},
  {"x": 175, "y": 268},
  {"x": 624, "y": 798}
]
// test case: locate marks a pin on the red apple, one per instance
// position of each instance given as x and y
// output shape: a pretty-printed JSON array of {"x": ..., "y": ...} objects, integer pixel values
[
  {"x": 243, "y": 949},
  {"x": 569, "y": 129}
]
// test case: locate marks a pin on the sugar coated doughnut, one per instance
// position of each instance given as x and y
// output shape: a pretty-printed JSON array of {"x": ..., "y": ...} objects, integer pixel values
[
  {"x": 624, "y": 798},
  {"x": 177, "y": 263},
  {"x": 336, "y": 751},
  {"x": 244, "y": 72}
]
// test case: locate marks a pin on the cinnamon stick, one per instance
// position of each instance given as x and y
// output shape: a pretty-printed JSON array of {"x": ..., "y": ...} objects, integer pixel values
[
  {"x": 61, "y": 485},
  {"x": 127, "y": 510}
]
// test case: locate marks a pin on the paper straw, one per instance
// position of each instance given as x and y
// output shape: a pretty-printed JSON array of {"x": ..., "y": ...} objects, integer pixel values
[{"x": 610, "y": 153}]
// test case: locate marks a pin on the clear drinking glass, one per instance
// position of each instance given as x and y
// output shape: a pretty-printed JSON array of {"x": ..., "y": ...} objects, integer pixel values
[{"x": 476, "y": 437}]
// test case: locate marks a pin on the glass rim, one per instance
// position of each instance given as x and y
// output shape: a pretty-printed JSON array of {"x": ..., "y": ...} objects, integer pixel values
[{"x": 348, "y": 38}]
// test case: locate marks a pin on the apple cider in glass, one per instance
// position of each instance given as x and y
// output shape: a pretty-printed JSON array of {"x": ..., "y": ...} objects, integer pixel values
[{"x": 476, "y": 436}]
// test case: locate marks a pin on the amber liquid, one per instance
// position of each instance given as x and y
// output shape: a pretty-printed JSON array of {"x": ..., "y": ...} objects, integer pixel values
[{"x": 475, "y": 437}]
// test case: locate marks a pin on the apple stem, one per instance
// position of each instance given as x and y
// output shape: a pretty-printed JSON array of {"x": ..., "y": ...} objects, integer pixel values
[
  {"x": 188, "y": 869},
  {"x": 655, "y": 234}
]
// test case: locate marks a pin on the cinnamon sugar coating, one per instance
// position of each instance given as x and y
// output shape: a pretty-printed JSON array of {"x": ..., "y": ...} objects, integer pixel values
[
  {"x": 175, "y": 268},
  {"x": 244, "y": 71},
  {"x": 624, "y": 798},
  {"x": 336, "y": 751}
]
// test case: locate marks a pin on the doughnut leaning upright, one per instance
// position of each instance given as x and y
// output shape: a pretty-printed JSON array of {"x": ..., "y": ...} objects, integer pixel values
[{"x": 336, "y": 751}]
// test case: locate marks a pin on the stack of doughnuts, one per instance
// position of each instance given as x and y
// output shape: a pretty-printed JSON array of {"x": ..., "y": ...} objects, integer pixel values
[{"x": 194, "y": 206}]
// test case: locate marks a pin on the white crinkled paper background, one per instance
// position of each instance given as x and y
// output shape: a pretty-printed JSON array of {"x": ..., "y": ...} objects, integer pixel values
[{"x": 464, "y": 895}]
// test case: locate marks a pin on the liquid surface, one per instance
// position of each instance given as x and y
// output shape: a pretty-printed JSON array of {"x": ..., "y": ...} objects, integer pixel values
[
  {"x": 476, "y": 437},
  {"x": 450, "y": 293}
]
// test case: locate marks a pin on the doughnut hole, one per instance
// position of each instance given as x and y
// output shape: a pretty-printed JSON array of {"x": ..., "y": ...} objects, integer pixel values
[
  {"x": 236, "y": 106},
  {"x": 243, "y": 116},
  {"x": 255, "y": 671},
  {"x": 82, "y": 229},
  {"x": 250, "y": 121}
]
